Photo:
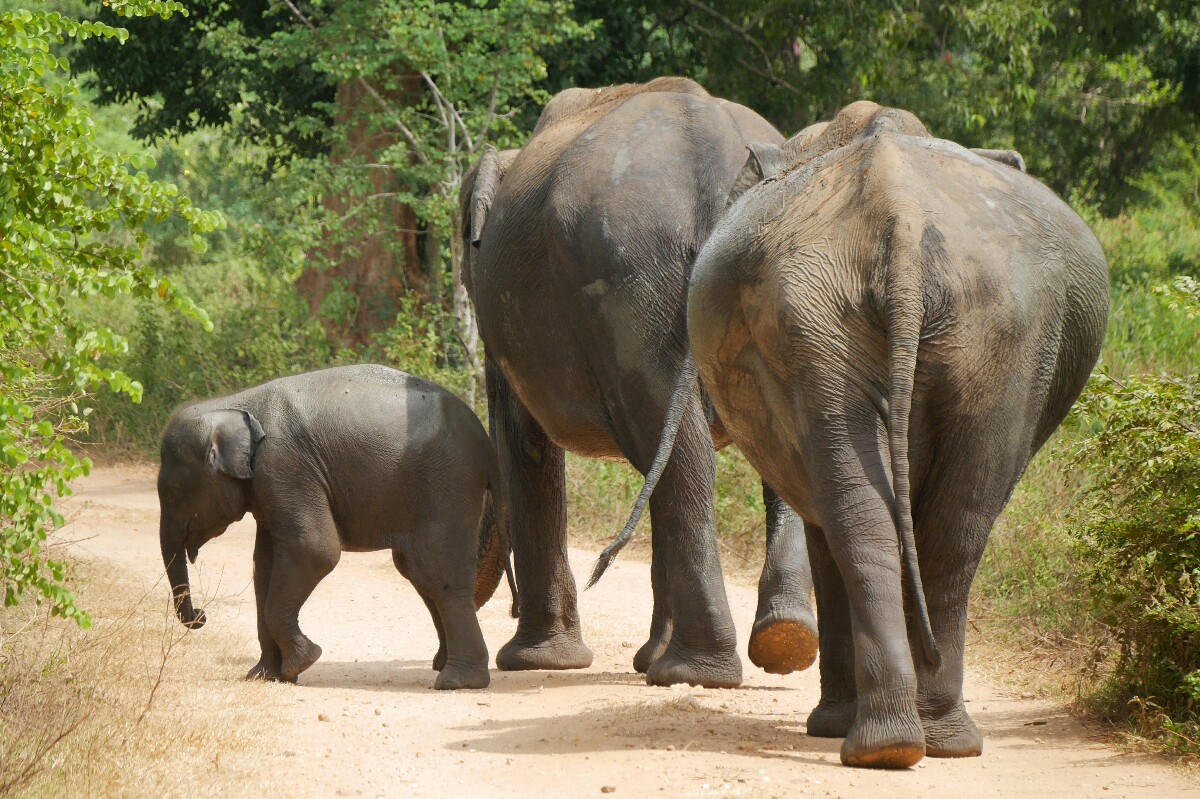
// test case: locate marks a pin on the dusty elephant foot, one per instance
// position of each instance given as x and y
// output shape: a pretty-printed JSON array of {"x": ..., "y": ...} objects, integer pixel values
[
  {"x": 951, "y": 734},
  {"x": 712, "y": 669},
  {"x": 439, "y": 660},
  {"x": 832, "y": 719},
  {"x": 783, "y": 645},
  {"x": 886, "y": 733},
  {"x": 267, "y": 669},
  {"x": 651, "y": 651},
  {"x": 454, "y": 676},
  {"x": 303, "y": 655},
  {"x": 560, "y": 651}
]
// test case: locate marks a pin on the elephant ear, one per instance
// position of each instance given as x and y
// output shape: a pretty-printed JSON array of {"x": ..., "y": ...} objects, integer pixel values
[
  {"x": 234, "y": 438},
  {"x": 763, "y": 161},
  {"x": 1007, "y": 157},
  {"x": 488, "y": 175}
]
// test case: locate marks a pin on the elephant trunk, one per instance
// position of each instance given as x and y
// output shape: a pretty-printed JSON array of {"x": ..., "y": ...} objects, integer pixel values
[
  {"x": 170, "y": 538},
  {"x": 494, "y": 548}
]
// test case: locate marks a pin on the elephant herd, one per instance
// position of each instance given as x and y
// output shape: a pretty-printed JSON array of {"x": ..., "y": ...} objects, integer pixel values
[{"x": 888, "y": 325}]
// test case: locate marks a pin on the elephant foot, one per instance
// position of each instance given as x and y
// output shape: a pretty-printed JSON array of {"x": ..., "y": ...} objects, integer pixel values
[
  {"x": 951, "y": 733},
  {"x": 651, "y": 651},
  {"x": 558, "y": 652},
  {"x": 886, "y": 733},
  {"x": 439, "y": 660},
  {"x": 268, "y": 670},
  {"x": 832, "y": 719},
  {"x": 711, "y": 669},
  {"x": 303, "y": 655},
  {"x": 783, "y": 645},
  {"x": 454, "y": 677}
]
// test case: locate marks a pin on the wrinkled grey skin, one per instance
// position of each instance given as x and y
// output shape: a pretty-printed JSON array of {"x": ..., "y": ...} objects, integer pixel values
[
  {"x": 890, "y": 326},
  {"x": 580, "y": 246},
  {"x": 354, "y": 459}
]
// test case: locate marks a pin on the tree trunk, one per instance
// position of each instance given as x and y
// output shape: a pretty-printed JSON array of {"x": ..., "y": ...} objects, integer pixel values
[
  {"x": 376, "y": 258},
  {"x": 464, "y": 315}
]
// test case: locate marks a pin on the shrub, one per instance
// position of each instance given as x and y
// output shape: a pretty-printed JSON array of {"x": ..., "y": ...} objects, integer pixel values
[
  {"x": 72, "y": 224},
  {"x": 1139, "y": 543}
]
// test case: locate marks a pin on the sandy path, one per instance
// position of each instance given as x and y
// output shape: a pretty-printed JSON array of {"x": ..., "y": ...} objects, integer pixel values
[{"x": 557, "y": 734}]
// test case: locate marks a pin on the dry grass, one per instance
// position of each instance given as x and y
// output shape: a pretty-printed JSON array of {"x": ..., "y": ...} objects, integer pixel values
[{"x": 129, "y": 708}]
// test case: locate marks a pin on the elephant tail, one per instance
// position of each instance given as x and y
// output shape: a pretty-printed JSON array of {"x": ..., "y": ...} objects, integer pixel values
[
  {"x": 905, "y": 315},
  {"x": 495, "y": 544},
  {"x": 687, "y": 379}
]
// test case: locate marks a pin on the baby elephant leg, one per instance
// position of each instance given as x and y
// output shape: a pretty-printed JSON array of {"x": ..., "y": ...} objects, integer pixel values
[
  {"x": 447, "y": 587},
  {"x": 301, "y": 560},
  {"x": 439, "y": 659},
  {"x": 270, "y": 664}
]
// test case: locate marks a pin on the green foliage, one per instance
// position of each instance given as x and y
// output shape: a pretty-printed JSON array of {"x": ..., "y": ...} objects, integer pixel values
[
  {"x": 72, "y": 219},
  {"x": 438, "y": 81},
  {"x": 205, "y": 68},
  {"x": 1140, "y": 539},
  {"x": 417, "y": 344},
  {"x": 261, "y": 328},
  {"x": 1084, "y": 90}
]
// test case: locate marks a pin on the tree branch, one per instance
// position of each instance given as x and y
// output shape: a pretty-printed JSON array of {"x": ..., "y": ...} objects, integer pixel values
[{"x": 409, "y": 136}]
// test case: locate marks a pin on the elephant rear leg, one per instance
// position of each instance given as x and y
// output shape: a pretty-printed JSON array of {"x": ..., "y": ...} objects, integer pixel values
[
  {"x": 548, "y": 634},
  {"x": 834, "y": 714},
  {"x": 962, "y": 502},
  {"x": 303, "y": 555},
  {"x": 784, "y": 638},
  {"x": 449, "y": 591},
  {"x": 270, "y": 664},
  {"x": 660, "y": 618},
  {"x": 703, "y": 645},
  {"x": 439, "y": 658},
  {"x": 853, "y": 502}
]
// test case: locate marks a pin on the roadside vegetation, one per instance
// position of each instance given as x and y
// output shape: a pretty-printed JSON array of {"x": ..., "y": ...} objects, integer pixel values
[{"x": 325, "y": 143}]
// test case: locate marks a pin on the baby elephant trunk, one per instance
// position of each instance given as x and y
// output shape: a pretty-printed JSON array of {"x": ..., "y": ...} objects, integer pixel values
[
  {"x": 494, "y": 549},
  {"x": 174, "y": 554}
]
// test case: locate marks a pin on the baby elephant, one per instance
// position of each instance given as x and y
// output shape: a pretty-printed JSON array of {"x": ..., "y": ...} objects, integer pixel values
[{"x": 357, "y": 459}]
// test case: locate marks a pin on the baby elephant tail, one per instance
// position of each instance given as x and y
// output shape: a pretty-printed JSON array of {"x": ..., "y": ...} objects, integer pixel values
[{"x": 495, "y": 546}]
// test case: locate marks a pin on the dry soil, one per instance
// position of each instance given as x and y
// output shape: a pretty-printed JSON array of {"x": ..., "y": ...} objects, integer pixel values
[{"x": 365, "y": 721}]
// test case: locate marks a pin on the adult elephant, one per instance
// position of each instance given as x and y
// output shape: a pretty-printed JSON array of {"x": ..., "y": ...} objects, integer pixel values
[
  {"x": 581, "y": 245},
  {"x": 890, "y": 326}
]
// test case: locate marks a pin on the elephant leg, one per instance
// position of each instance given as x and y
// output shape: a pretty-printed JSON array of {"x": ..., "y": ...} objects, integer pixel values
[
  {"x": 703, "y": 645},
  {"x": 299, "y": 563},
  {"x": 548, "y": 635},
  {"x": 951, "y": 538},
  {"x": 854, "y": 496},
  {"x": 439, "y": 658},
  {"x": 449, "y": 591},
  {"x": 834, "y": 714},
  {"x": 269, "y": 665},
  {"x": 660, "y": 619},
  {"x": 784, "y": 636}
]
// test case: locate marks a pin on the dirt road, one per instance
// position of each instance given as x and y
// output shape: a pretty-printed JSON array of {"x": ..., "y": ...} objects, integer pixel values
[{"x": 364, "y": 721}]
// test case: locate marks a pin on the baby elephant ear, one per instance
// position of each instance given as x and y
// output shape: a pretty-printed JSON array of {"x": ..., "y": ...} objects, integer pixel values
[
  {"x": 235, "y": 436},
  {"x": 763, "y": 161}
]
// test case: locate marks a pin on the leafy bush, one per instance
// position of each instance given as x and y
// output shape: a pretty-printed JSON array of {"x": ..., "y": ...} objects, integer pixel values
[
  {"x": 1140, "y": 541},
  {"x": 415, "y": 344},
  {"x": 72, "y": 218}
]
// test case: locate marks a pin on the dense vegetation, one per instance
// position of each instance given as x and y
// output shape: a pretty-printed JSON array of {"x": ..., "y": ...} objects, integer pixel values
[{"x": 331, "y": 138}]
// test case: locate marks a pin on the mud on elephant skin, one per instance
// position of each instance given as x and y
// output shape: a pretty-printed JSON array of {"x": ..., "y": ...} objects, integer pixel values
[
  {"x": 357, "y": 459},
  {"x": 580, "y": 246},
  {"x": 890, "y": 326}
]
